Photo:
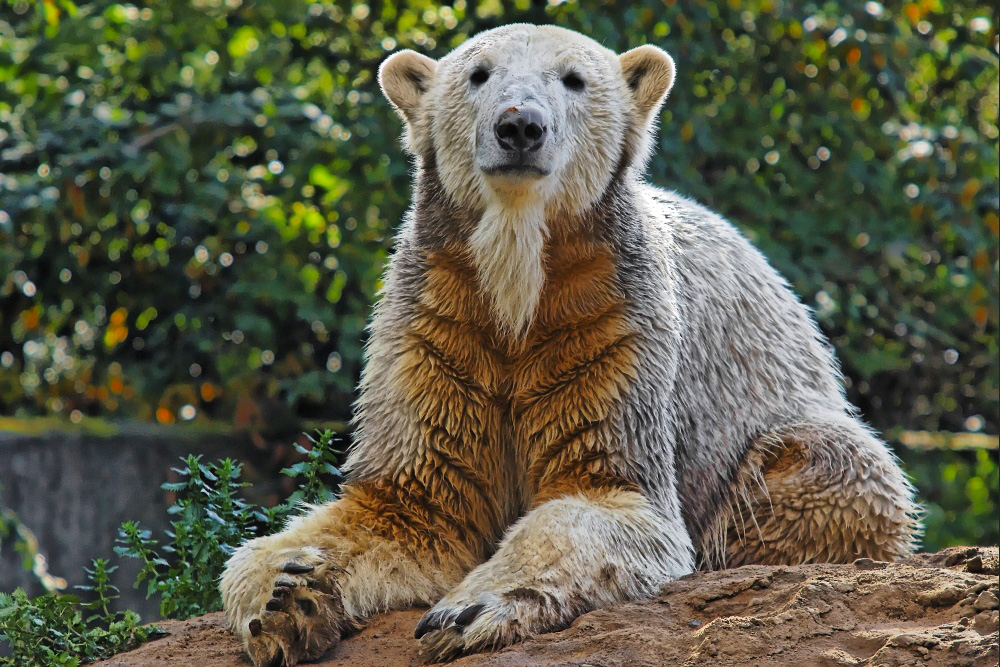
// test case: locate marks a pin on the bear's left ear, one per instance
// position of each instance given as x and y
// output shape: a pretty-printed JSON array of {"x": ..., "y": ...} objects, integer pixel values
[
  {"x": 649, "y": 72},
  {"x": 405, "y": 77}
]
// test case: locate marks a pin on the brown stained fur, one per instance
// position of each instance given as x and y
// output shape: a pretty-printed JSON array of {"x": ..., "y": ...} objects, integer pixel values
[
  {"x": 404, "y": 513},
  {"x": 579, "y": 359}
]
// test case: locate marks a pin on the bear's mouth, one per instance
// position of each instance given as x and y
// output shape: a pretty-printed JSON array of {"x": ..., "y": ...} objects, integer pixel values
[{"x": 515, "y": 169}]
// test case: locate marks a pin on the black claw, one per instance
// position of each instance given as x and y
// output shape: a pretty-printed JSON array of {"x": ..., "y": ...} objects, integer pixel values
[
  {"x": 273, "y": 605},
  {"x": 285, "y": 583},
  {"x": 297, "y": 568},
  {"x": 427, "y": 623},
  {"x": 255, "y": 627},
  {"x": 468, "y": 615}
]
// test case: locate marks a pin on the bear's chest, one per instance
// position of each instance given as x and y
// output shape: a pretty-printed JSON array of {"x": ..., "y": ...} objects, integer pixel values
[{"x": 566, "y": 371}]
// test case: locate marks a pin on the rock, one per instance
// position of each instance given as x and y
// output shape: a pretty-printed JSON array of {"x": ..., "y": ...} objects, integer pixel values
[
  {"x": 905, "y": 613},
  {"x": 959, "y": 555},
  {"x": 986, "y": 600},
  {"x": 974, "y": 565},
  {"x": 943, "y": 597}
]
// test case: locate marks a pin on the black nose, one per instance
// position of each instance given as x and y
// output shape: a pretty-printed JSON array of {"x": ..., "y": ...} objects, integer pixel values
[{"x": 521, "y": 128}]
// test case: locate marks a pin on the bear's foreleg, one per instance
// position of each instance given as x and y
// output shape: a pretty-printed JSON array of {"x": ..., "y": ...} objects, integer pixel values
[
  {"x": 293, "y": 595},
  {"x": 567, "y": 556}
]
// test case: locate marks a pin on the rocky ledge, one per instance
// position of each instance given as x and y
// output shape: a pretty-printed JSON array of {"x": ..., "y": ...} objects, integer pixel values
[{"x": 931, "y": 609}]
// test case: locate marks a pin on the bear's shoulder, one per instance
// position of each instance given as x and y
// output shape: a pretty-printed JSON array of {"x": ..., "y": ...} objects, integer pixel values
[
  {"x": 687, "y": 223},
  {"x": 701, "y": 245}
]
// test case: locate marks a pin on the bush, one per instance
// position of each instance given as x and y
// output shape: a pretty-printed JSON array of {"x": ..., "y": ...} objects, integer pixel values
[
  {"x": 211, "y": 521},
  {"x": 197, "y": 197},
  {"x": 52, "y": 631}
]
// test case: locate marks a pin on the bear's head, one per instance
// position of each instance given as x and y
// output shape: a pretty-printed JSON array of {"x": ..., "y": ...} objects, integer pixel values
[
  {"x": 529, "y": 111},
  {"x": 525, "y": 126}
]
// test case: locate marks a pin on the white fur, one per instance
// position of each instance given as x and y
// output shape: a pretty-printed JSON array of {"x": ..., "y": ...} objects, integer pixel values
[{"x": 508, "y": 248}]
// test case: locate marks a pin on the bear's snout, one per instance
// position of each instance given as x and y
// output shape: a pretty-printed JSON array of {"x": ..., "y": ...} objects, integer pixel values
[{"x": 521, "y": 129}]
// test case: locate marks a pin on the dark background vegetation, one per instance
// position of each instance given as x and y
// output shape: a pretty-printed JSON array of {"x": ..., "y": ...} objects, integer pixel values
[{"x": 197, "y": 198}]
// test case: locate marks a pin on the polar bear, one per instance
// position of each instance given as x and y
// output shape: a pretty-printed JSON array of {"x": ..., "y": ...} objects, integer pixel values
[{"x": 578, "y": 387}]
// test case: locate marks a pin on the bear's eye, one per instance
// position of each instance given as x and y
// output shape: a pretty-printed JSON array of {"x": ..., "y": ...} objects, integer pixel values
[
  {"x": 573, "y": 81},
  {"x": 479, "y": 76}
]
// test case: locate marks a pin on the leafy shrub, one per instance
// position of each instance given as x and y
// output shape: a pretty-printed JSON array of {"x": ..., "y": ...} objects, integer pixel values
[
  {"x": 197, "y": 197},
  {"x": 210, "y": 522},
  {"x": 315, "y": 473},
  {"x": 52, "y": 630},
  {"x": 183, "y": 571}
]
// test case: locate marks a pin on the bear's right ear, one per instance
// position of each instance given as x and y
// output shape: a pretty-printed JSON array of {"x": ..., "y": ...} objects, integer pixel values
[
  {"x": 405, "y": 77},
  {"x": 649, "y": 72}
]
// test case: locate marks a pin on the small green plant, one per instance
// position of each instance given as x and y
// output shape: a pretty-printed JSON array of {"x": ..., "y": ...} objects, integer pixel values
[
  {"x": 53, "y": 630},
  {"x": 211, "y": 520},
  {"x": 183, "y": 570}
]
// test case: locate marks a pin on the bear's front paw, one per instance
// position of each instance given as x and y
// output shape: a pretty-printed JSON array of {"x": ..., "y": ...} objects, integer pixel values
[
  {"x": 463, "y": 623},
  {"x": 298, "y": 615}
]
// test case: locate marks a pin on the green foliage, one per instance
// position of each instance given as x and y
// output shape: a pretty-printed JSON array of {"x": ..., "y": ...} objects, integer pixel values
[
  {"x": 210, "y": 521},
  {"x": 960, "y": 491},
  {"x": 183, "y": 571},
  {"x": 52, "y": 630},
  {"x": 197, "y": 197}
]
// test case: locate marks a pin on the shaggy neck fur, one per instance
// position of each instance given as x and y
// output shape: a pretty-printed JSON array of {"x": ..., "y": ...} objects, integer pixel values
[{"x": 508, "y": 248}]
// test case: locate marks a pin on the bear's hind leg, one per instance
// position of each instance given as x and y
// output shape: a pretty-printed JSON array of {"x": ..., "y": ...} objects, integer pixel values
[{"x": 825, "y": 490}]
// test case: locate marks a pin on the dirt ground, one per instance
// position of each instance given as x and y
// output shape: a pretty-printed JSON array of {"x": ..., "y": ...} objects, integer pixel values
[{"x": 932, "y": 609}]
